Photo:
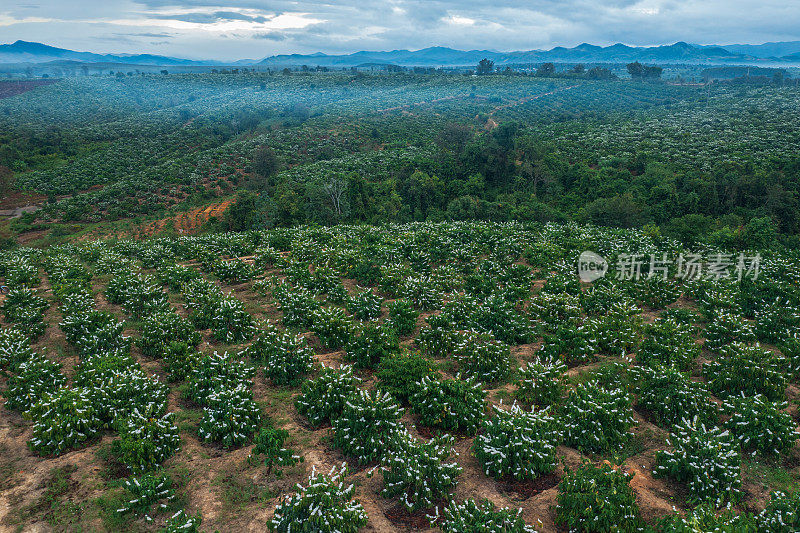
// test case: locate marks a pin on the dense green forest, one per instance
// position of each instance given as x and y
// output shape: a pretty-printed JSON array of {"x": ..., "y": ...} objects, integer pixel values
[{"x": 714, "y": 162}]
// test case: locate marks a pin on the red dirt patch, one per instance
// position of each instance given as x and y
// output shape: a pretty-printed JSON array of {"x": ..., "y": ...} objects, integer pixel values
[{"x": 13, "y": 88}]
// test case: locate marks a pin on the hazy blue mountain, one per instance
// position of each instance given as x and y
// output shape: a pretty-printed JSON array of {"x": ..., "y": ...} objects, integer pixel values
[
  {"x": 680, "y": 52},
  {"x": 765, "y": 50}
]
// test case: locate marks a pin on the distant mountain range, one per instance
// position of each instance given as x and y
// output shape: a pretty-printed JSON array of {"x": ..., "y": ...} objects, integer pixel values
[{"x": 680, "y": 52}]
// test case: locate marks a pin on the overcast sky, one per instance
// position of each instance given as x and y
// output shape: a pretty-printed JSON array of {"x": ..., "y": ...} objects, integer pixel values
[{"x": 237, "y": 29}]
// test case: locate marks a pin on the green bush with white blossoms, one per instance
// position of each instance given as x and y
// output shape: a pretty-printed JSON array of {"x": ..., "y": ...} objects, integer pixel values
[
  {"x": 469, "y": 516},
  {"x": 518, "y": 443},
  {"x": 333, "y": 327},
  {"x": 670, "y": 395},
  {"x": 542, "y": 383},
  {"x": 483, "y": 357},
  {"x": 705, "y": 459},
  {"x": 726, "y": 328},
  {"x": 230, "y": 416},
  {"x": 419, "y": 472},
  {"x": 286, "y": 358},
  {"x": 596, "y": 419},
  {"x": 759, "y": 425},
  {"x": 365, "y": 305},
  {"x": 36, "y": 376},
  {"x": 62, "y": 420},
  {"x": 668, "y": 342},
  {"x": 149, "y": 495},
  {"x": 781, "y": 514},
  {"x": 161, "y": 328},
  {"x": 215, "y": 371},
  {"x": 571, "y": 344},
  {"x": 371, "y": 344},
  {"x": 324, "y": 505},
  {"x": 747, "y": 369},
  {"x": 597, "y": 499},
  {"x": 450, "y": 404},
  {"x": 323, "y": 399},
  {"x": 146, "y": 440},
  {"x": 366, "y": 425}
]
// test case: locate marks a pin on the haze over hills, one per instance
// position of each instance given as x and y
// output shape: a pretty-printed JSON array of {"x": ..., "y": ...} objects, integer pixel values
[{"x": 681, "y": 52}]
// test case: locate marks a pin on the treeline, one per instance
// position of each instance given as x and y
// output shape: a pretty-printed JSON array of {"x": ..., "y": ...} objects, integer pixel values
[{"x": 510, "y": 174}]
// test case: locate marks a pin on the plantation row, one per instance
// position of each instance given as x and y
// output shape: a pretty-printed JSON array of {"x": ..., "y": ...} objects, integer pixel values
[{"x": 429, "y": 323}]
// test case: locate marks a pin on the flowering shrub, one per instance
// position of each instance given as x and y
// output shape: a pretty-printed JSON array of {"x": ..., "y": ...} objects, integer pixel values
[
  {"x": 138, "y": 294},
  {"x": 297, "y": 305},
  {"x": 146, "y": 440},
  {"x": 333, "y": 327},
  {"x": 450, "y": 404},
  {"x": 37, "y": 376},
  {"x": 597, "y": 498},
  {"x": 671, "y": 396},
  {"x": 726, "y": 328},
  {"x": 179, "y": 360},
  {"x": 572, "y": 345},
  {"x": 776, "y": 322},
  {"x": 22, "y": 306},
  {"x": 94, "y": 332},
  {"x": 400, "y": 374},
  {"x": 323, "y": 399},
  {"x": 483, "y": 357},
  {"x": 542, "y": 382},
  {"x": 372, "y": 344},
  {"x": 469, "y": 516},
  {"x": 422, "y": 292},
  {"x": 782, "y": 513},
  {"x": 619, "y": 332},
  {"x": 174, "y": 276},
  {"x": 286, "y": 358},
  {"x": 217, "y": 371},
  {"x": 705, "y": 459},
  {"x": 269, "y": 443},
  {"x": 655, "y": 291},
  {"x": 162, "y": 328},
  {"x": 366, "y": 425},
  {"x": 230, "y": 416},
  {"x": 402, "y": 317},
  {"x": 150, "y": 494},
  {"x": 518, "y": 443},
  {"x": 419, "y": 471},
  {"x": 760, "y": 426},
  {"x": 553, "y": 310},
  {"x": 234, "y": 270},
  {"x": 324, "y": 505},
  {"x": 668, "y": 342},
  {"x": 746, "y": 369},
  {"x": 62, "y": 420},
  {"x": 15, "y": 348},
  {"x": 596, "y": 419},
  {"x": 229, "y": 322},
  {"x": 365, "y": 305}
]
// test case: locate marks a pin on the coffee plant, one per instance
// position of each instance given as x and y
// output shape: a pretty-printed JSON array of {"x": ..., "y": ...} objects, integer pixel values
[
  {"x": 597, "y": 498},
  {"x": 36, "y": 376},
  {"x": 419, "y": 471},
  {"x": 230, "y": 416},
  {"x": 518, "y": 443},
  {"x": 402, "y": 317},
  {"x": 400, "y": 374},
  {"x": 286, "y": 358},
  {"x": 63, "y": 419},
  {"x": 668, "y": 342},
  {"x": 483, "y": 357},
  {"x": 706, "y": 459},
  {"x": 749, "y": 370},
  {"x": 365, "y": 305},
  {"x": 323, "y": 399},
  {"x": 450, "y": 404},
  {"x": 146, "y": 440},
  {"x": 269, "y": 442},
  {"x": 781, "y": 514},
  {"x": 150, "y": 494},
  {"x": 215, "y": 372},
  {"x": 324, "y": 505},
  {"x": 669, "y": 396},
  {"x": 366, "y": 425},
  {"x": 542, "y": 383},
  {"x": 162, "y": 328},
  {"x": 759, "y": 425},
  {"x": 596, "y": 419},
  {"x": 470, "y": 516},
  {"x": 726, "y": 328},
  {"x": 333, "y": 327}
]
